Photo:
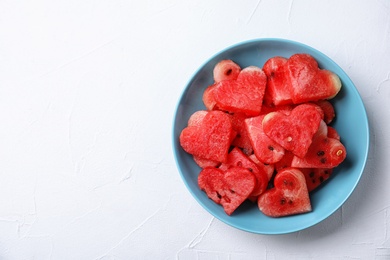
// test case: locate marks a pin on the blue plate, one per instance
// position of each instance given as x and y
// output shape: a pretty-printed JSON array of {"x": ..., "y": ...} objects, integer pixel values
[{"x": 351, "y": 123}]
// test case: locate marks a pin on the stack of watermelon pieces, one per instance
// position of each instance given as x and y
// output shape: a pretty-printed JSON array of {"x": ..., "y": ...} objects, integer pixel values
[{"x": 265, "y": 134}]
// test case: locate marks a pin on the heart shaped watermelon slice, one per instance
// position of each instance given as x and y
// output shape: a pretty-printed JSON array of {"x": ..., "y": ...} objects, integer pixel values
[
  {"x": 294, "y": 132},
  {"x": 209, "y": 137},
  {"x": 307, "y": 82},
  {"x": 289, "y": 196},
  {"x": 245, "y": 94},
  {"x": 228, "y": 188}
]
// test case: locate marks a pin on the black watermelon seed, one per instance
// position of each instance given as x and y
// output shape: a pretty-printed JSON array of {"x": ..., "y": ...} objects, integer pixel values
[{"x": 320, "y": 153}]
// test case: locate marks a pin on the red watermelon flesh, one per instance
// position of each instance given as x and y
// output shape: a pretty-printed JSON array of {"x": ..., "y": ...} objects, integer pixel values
[
  {"x": 328, "y": 110},
  {"x": 242, "y": 138},
  {"x": 226, "y": 70},
  {"x": 285, "y": 109},
  {"x": 324, "y": 152},
  {"x": 285, "y": 162},
  {"x": 203, "y": 163},
  {"x": 294, "y": 132},
  {"x": 265, "y": 149},
  {"x": 276, "y": 92},
  {"x": 289, "y": 196},
  {"x": 229, "y": 189},
  {"x": 268, "y": 168},
  {"x": 332, "y": 133},
  {"x": 210, "y": 139},
  {"x": 315, "y": 177},
  {"x": 307, "y": 82},
  {"x": 197, "y": 118},
  {"x": 211, "y": 180},
  {"x": 208, "y": 98},
  {"x": 245, "y": 94},
  {"x": 319, "y": 109},
  {"x": 236, "y": 158}
]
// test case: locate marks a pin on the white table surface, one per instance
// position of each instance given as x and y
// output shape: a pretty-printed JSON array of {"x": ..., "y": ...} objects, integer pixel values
[{"x": 88, "y": 91}]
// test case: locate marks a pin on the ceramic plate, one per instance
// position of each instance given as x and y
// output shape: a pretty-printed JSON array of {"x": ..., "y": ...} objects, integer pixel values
[{"x": 351, "y": 123}]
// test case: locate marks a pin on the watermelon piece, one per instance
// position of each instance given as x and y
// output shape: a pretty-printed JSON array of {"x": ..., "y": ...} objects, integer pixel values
[
  {"x": 328, "y": 110},
  {"x": 276, "y": 92},
  {"x": 315, "y": 177},
  {"x": 245, "y": 94},
  {"x": 319, "y": 109},
  {"x": 208, "y": 98},
  {"x": 324, "y": 152},
  {"x": 332, "y": 133},
  {"x": 294, "y": 132},
  {"x": 307, "y": 82},
  {"x": 265, "y": 149},
  {"x": 197, "y": 118},
  {"x": 236, "y": 158},
  {"x": 289, "y": 196},
  {"x": 241, "y": 139},
  {"x": 210, "y": 139},
  {"x": 285, "y": 109},
  {"x": 229, "y": 189},
  {"x": 211, "y": 180},
  {"x": 268, "y": 168},
  {"x": 285, "y": 162},
  {"x": 203, "y": 163},
  {"x": 226, "y": 70}
]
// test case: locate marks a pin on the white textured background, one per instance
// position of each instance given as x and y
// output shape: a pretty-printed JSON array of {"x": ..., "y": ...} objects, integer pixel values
[{"x": 87, "y": 96}]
